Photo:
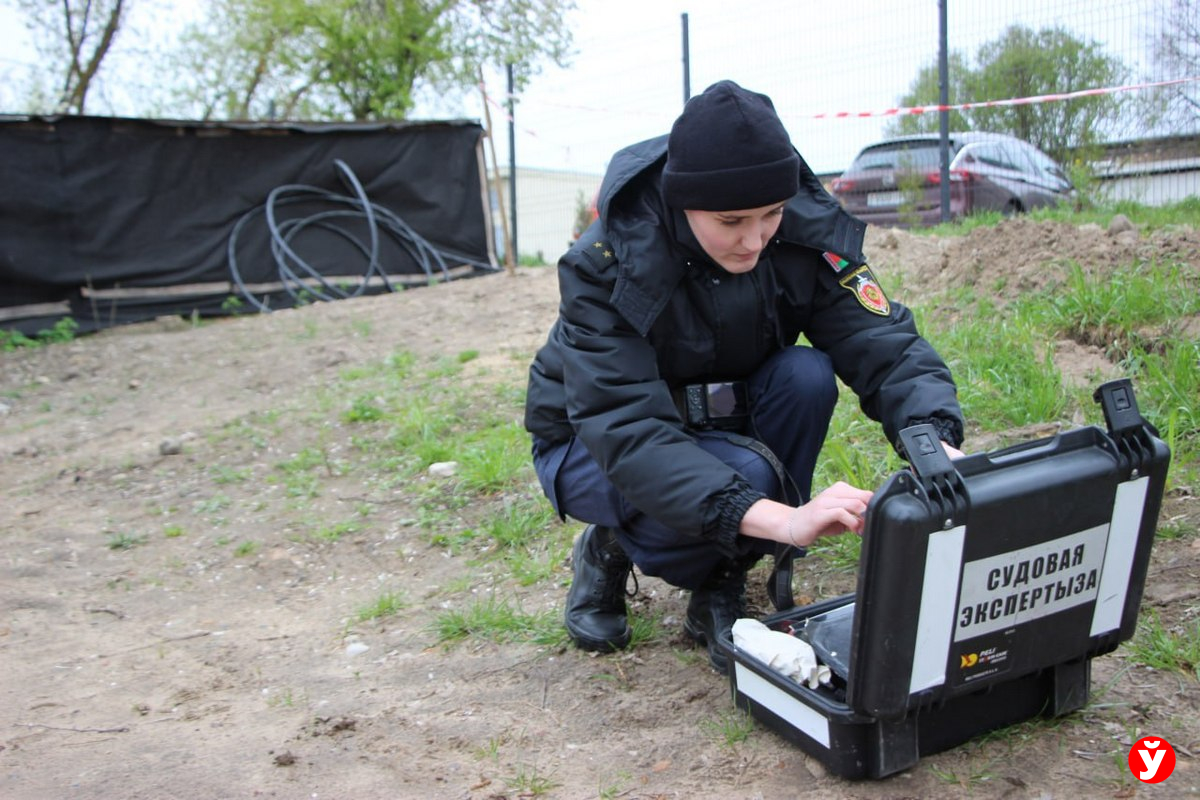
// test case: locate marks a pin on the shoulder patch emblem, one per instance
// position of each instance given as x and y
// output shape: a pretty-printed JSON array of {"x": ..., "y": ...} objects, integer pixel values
[
  {"x": 867, "y": 291},
  {"x": 834, "y": 260},
  {"x": 600, "y": 254}
]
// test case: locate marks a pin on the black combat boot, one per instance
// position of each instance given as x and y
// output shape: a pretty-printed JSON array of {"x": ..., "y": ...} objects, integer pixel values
[
  {"x": 595, "y": 614},
  {"x": 715, "y": 606}
]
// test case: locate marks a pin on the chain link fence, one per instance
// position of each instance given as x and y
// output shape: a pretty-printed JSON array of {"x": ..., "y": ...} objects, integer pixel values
[{"x": 841, "y": 77}]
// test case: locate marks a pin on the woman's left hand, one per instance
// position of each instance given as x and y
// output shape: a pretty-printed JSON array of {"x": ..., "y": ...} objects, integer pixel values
[{"x": 952, "y": 451}]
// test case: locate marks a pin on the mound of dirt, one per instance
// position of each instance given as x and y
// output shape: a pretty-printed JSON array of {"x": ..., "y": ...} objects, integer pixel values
[
  {"x": 147, "y": 660},
  {"x": 1020, "y": 255}
]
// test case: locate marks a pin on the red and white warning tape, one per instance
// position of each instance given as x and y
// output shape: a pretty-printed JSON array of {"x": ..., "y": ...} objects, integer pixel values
[
  {"x": 889, "y": 112},
  {"x": 1014, "y": 101}
]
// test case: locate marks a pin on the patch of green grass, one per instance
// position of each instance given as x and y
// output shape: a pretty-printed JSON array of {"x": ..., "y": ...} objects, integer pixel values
[
  {"x": 615, "y": 786},
  {"x": 839, "y": 553},
  {"x": 283, "y": 698},
  {"x": 222, "y": 474},
  {"x": 1002, "y": 357},
  {"x": 533, "y": 566},
  {"x": 61, "y": 332},
  {"x": 437, "y": 512},
  {"x": 1175, "y": 649},
  {"x": 1114, "y": 310},
  {"x": 364, "y": 408},
  {"x": 299, "y": 472},
  {"x": 1167, "y": 382},
  {"x": 731, "y": 728},
  {"x": 498, "y": 621},
  {"x": 173, "y": 531},
  {"x": 646, "y": 629},
  {"x": 334, "y": 532},
  {"x": 307, "y": 459},
  {"x": 491, "y": 750},
  {"x": 386, "y": 605},
  {"x": 212, "y": 505},
  {"x": 1146, "y": 218},
  {"x": 855, "y": 450},
  {"x": 528, "y": 782},
  {"x": 124, "y": 541},
  {"x": 495, "y": 457},
  {"x": 302, "y": 485},
  {"x": 400, "y": 364},
  {"x": 257, "y": 429},
  {"x": 525, "y": 535},
  {"x": 1004, "y": 370},
  {"x": 421, "y": 433},
  {"x": 444, "y": 367},
  {"x": 246, "y": 548},
  {"x": 467, "y": 355},
  {"x": 1174, "y": 529},
  {"x": 961, "y": 227},
  {"x": 444, "y": 533},
  {"x": 519, "y": 524}
]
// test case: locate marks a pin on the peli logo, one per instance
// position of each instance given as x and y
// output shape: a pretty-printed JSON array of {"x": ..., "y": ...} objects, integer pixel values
[{"x": 1152, "y": 759}]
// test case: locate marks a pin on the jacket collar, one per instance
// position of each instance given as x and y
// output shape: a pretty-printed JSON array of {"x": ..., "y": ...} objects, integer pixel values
[{"x": 643, "y": 230}]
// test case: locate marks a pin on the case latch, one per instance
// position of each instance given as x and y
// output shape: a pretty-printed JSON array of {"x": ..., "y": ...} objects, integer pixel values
[
  {"x": 1120, "y": 407},
  {"x": 934, "y": 472},
  {"x": 1126, "y": 426}
]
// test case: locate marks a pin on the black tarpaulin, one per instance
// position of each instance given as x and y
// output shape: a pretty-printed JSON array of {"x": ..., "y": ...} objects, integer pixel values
[{"x": 112, "y": 220}]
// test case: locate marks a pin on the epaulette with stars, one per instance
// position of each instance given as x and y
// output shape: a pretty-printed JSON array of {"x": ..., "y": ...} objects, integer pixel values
[{"x": 600, "y": 254}]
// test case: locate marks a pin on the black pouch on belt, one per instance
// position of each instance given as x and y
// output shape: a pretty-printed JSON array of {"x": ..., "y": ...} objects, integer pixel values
[{"x": 713, "y": 406}]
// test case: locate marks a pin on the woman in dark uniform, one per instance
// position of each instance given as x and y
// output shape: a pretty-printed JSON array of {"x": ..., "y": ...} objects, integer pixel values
[{"x": 671, "y": 407}]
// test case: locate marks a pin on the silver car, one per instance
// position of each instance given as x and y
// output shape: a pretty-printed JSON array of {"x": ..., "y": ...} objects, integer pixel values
[{"x": 897, "y": 182}]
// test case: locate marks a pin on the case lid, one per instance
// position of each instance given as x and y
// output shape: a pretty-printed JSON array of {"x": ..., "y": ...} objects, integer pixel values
[{"x": 993, "y": 566}]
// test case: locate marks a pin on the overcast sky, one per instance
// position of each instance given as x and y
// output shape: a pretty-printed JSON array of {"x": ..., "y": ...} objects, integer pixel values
[
  {"x": 626, "y": 81},
  {"x": 764, "y": 45}
]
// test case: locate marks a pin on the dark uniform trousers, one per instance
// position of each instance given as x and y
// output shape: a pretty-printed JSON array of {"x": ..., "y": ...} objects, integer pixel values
[{"x": 791, "y": 397}]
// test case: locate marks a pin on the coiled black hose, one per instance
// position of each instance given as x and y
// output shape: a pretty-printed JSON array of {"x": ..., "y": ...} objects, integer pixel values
[{"x": 296, "y": 274}]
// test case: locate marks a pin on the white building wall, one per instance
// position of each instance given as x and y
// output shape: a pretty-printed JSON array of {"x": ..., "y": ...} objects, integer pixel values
[
  {"x": 1152, "y": 184},
  {"x": 546, "y": 205}
]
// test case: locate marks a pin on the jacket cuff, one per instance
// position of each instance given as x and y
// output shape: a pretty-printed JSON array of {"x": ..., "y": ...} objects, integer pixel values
[
  {"x": 949, "y": 430},
  {"x": 730, "y": 506}
]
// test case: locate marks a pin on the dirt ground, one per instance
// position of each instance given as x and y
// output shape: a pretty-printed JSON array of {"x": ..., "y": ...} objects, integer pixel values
[{"x": 178, "y": 668}]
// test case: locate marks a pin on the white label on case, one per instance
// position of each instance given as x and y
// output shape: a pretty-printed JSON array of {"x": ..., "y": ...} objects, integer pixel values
[
  {"x": 797, "y": 714},
  {"x": 1019, "y": 586},
  {"x": 935, "y": 625},
  {"x": 1118, "y": 560}
]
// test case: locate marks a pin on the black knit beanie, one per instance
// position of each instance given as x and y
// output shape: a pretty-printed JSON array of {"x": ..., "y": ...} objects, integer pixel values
[{"x": 729, "y": 151}]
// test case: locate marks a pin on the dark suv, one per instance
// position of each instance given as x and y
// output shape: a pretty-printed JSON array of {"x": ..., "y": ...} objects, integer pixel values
[{"x": 897, "y": 182}]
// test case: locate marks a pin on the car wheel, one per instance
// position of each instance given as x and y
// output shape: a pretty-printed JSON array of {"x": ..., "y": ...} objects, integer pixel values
[{"x": 1012, "y": 208}]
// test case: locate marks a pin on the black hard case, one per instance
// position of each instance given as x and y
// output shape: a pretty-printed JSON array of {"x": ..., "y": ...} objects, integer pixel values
[{"x": 985, "y": 587}]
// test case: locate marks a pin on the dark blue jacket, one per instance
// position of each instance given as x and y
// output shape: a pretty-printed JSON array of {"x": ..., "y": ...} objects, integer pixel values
[{"x": 645, "y": 311}]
